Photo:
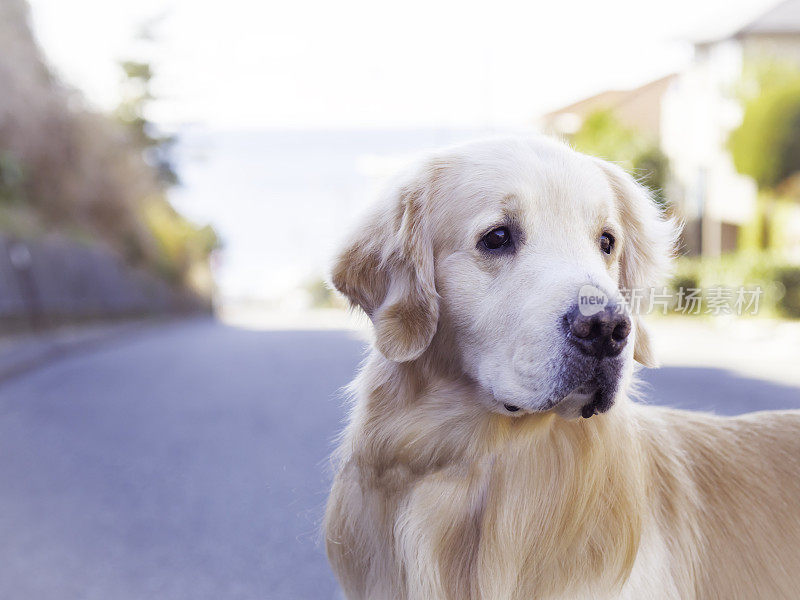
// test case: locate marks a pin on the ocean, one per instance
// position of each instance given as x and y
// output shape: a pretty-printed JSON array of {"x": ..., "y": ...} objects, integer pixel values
[{"x": 282, "y": 200}]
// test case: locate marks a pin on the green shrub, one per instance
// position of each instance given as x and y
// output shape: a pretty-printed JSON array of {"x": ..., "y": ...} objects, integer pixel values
[
  {"x": 789, "y": 278},
  {"x": 778, "y": 281},
  {"x": 603, "y": 134},
  {"x": 766, "y": 146}
]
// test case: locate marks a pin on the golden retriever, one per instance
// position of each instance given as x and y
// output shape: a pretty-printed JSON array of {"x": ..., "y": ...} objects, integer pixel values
[{"x": 493, "y": 451}]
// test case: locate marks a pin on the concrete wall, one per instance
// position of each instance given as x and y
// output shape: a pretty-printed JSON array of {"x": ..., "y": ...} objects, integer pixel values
[{"x": 53, "y": 281}]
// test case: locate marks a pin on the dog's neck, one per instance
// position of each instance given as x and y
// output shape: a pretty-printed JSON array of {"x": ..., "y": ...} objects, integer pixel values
[
  {"x": 424, "y": 403},
  {"x": 573, "y": 487}
]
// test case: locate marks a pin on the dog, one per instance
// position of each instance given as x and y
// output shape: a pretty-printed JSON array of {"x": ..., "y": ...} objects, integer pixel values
[{"x": 493, "y": 450}]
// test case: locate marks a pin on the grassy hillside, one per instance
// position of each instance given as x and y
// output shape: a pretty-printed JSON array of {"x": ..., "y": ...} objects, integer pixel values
[{"x": 88, "y": 176}]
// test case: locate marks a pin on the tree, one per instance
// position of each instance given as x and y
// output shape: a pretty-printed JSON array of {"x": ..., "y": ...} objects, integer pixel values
[
  {"x": 84, "y": 174},
  {"x": 183, "y": 245},
  {"x": 131, "y": 112},
  {"x": 603, "y": 134},
  {"x": 766, "y": 145}
]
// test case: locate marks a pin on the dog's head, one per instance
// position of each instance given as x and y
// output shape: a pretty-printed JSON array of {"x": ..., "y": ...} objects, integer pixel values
[{"x": 506, "y": 259}]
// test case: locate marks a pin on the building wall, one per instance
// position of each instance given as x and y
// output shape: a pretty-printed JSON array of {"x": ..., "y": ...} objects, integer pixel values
[
  {"x": 785, "y": 47},
  {"x": 699, "y": 111}
]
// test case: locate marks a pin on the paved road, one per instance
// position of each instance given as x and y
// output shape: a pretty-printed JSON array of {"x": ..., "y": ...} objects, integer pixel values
[{"x": 188, "y": 462}]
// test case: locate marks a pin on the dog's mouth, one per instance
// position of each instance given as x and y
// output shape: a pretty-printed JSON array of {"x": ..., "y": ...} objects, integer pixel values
[
  {"x": 595, "y": 405},
  {"x": 585, "y": 389},
  {"x": 590, "y": 410},
  {"x": 588, "y": 388},
  {"x": 586, "y": 401}
]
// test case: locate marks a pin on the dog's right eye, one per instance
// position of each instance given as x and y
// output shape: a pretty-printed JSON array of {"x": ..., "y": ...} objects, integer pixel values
[{"x": 496, "y": 238}]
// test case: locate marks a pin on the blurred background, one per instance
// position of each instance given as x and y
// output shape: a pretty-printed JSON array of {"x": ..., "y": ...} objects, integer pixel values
[{"x": 174, "y": 176}]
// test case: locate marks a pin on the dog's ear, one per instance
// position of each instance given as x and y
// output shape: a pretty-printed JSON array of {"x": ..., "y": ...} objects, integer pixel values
[
  {"x": 649, "y": 239},
  {"x": 386, "y": 268}
]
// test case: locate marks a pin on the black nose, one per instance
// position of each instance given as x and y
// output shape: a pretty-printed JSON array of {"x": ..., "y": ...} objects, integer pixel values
[{"x": 603, "y": 334}]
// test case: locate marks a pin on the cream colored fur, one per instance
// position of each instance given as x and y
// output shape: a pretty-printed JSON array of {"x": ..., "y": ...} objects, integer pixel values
[{"x": 442, "y": 493}]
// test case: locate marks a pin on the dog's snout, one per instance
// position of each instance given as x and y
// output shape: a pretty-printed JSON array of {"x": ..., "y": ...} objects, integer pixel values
[{"x": 602, "y": 334}]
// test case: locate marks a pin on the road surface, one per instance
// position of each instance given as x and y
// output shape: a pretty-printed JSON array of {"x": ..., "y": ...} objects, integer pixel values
[{"x": 188, "y": 461}]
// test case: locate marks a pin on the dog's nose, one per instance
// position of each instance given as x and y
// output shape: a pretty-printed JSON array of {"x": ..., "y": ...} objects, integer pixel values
[{"x": 602, "y": 334}]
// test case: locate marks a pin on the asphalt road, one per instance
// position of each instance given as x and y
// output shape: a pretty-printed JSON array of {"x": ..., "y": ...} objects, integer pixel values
[{"x": 188, "y": 461}]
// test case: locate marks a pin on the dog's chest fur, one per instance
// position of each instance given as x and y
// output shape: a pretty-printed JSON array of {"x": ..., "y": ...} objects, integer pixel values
[
  {"x": 531, "y": 514},
  {"x": 435, "y": 498}
]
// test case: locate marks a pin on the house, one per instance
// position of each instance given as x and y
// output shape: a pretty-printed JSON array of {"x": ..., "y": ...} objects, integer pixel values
[
  {"x": 639, "y": 108},
  {"x": 692, "y": 114}
]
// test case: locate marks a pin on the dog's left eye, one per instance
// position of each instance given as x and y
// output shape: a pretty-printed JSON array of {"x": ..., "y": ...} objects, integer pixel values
[
  {"x": 496, "y": 238},
  {"x": 607, "y": 243}
]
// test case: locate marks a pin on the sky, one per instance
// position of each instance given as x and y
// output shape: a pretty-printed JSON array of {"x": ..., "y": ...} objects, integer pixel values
[
  {"x": 309, "y": 64},
  {"x": 407, "y": 75}
]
